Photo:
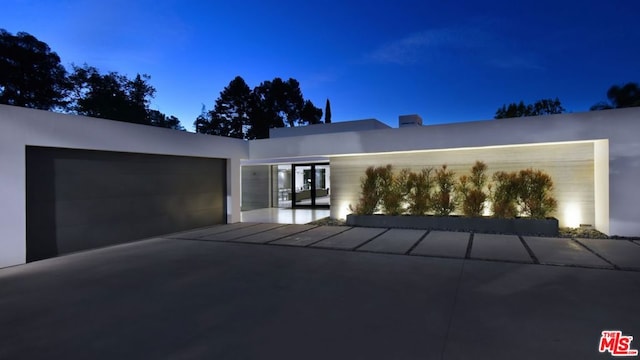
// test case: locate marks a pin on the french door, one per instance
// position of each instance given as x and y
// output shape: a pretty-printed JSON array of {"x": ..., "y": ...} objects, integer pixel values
[{"x": 310, "y": 185}]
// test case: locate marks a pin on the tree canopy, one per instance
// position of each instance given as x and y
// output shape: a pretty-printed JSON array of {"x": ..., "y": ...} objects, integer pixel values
[
  {"x": 540, "y": 107},
  {"x": 110, "y": 96},
  {"x": 31, "y": 76},
  {"x": 30, "y": 73},
  {"x": 627, "y": 95},
  {"x": 249, "y": 114}
]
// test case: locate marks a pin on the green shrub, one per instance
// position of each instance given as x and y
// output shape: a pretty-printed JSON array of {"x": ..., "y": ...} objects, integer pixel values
[
  {"x": 419, "y": 197},
  {"x": 471, "y": 190},
  {"x": 505, "y": 194},
  {"x": 534, "y": 191},
  {"x": 444, "y": 201},
  {"x": 369, "y": 193}
]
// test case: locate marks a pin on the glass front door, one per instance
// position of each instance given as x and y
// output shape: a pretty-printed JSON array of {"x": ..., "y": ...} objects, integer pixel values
[{"x": 310, "y": 185}]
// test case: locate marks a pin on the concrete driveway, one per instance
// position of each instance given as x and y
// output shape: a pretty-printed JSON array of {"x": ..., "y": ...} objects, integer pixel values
[{"x": 207, "y": 295}]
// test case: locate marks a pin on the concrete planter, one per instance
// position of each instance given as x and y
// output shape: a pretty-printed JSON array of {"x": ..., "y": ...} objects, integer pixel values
[{"x": 519, "y": 226}]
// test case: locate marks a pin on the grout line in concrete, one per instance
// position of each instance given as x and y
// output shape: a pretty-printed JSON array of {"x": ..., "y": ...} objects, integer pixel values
[
  {"x": 330, "y": 236},
  {"x": 467, "y": 254},
  {"x": 295, "y": 233},
  {"x": 596, "y": 254},
  {"x": 417, "y": 242},
  {"x": 370, "y": 240},
  {"x": 526, "y": 246}
]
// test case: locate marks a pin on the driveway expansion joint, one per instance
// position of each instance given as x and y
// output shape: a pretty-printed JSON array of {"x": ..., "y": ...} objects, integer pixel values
[
  {"x": 408, "y": 252},
  {"x": 370, "y": 240},
  {"x": 526, "y": 246},
  {"x": 467, "y": 255},
  {"x": 616, "y": 267}
]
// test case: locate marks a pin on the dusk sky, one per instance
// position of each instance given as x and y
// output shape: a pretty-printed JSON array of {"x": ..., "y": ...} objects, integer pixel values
[{"x": 447, "y": 61}]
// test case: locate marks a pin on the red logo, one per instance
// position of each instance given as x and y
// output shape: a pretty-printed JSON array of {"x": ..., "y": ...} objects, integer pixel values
[{"x": 617, "y": 344}]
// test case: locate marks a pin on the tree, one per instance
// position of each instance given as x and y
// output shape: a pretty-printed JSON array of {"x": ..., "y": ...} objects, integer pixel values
[
  {"x": 327, "y": 112},
  {"x": 249, "y": 114},
  {"x": 231, "y": 111},
  {"x": 310, "y": 114},
  {"x": 110, "y": 96},
  {"x": 30, "y": 73},
  {"x": 540, "y": 107},
  {"x": 159, "y": 119},
  {"x": 627, "y": 95}
]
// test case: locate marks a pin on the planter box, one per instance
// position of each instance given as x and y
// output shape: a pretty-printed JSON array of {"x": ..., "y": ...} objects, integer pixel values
[{"x": 517, "y": 226}]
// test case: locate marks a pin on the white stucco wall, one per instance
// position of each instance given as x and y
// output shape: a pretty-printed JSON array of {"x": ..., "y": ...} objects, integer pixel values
[
  {"x": 621, "y": 127},
  {"x": 20, "y": 127}
]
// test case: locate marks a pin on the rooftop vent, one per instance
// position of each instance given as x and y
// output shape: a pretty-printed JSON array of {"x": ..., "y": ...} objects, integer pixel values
[{"x": 409, "y": 120}]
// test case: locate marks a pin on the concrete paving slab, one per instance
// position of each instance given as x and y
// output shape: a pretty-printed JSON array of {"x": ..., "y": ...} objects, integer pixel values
[
  {"x": 562, "y": 251},
  {"x": 443, "y": 243},
  {"x": 173, "y": 299},
  {"x": 311, "y": 236},
  {"x": 396, "y": 241},
  {"x": 499, "y": 247},
  {"x": 637, "y": 241},
  {"x": 520, "y": 311},
  {"x": 275, "y": 234},
  {"x": 242, "y": 232},
  {"x": 350, "y": 239},
  {"x": 194, "y": 234},
  {"x": 620, "y": 252}
]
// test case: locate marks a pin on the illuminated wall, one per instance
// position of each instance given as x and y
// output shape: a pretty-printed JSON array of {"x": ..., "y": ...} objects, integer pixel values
[{"x": 571, "y": 166}]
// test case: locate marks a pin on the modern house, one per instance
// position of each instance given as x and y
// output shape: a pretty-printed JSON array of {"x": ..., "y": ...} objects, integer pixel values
[{"x": 69, "y": 183}]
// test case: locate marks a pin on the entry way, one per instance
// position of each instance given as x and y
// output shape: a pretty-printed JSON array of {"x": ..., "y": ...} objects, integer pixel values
[{"x": 310, "y": 185}]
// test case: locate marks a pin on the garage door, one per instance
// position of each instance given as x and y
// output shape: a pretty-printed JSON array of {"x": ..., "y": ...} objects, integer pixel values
[{"x": 83, "y": 199}]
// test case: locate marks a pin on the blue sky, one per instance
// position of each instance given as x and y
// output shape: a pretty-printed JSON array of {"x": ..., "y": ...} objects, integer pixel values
[{"x": 448, "y": 61}]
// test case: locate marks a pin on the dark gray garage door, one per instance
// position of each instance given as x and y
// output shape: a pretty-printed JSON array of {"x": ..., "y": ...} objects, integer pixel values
[{"x": 82, "y": 199}]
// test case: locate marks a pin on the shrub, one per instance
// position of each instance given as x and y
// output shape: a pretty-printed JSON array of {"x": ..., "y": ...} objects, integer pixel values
[
  {"x": 505, "y": 195},
  {"x": 535, "y": 189},
  {"x": 369, "y": 195},
  {"x": 471, "y": 190},
  {"x": 419, "y": 186},
  {"x": 393, "y": 189},
  {"x": 444, "y": 202}
]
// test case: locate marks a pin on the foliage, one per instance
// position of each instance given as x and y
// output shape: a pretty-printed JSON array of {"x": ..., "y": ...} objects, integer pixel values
[
  {"x": 231, "y": 111},
  {"x": 527, "y": 192},
  {"x": 31, "y": 76},
  {"x": 310, "y": 114},
  {"x": 327, "y": 112},
  {"x": 161, "y": 120},
  {"x": 540, "y": 107},
  {"x": 627, "y": 95},
  {"x": 393, "y": 189},
  {"x": 370, "y": 195},
  {"x": 505, "y": 194},
  {"x": 110, "y": 96},
  {"x": 418, "y": 189},
  {"x": 444, "y": 201},
  {"x": 471, "y": 190},
  {"x": 30, "y": 73},
  {"x": 249, "y": 114},
  {"x": 274, "y": 104},
  {"x": 534, "y": 188}
]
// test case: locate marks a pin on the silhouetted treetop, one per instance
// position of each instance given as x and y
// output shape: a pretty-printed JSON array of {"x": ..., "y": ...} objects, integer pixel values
[
  {"x": 31, "y": 76},
  {"x": 30, "y": 73},
  {"x": 627, "y": 95},
  {"x": 540, "y": 107},
  {"x": 243, "y": 113}
]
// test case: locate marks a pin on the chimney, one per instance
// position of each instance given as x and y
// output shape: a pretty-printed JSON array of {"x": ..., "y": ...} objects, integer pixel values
[{"x": 409, "y": 120}]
